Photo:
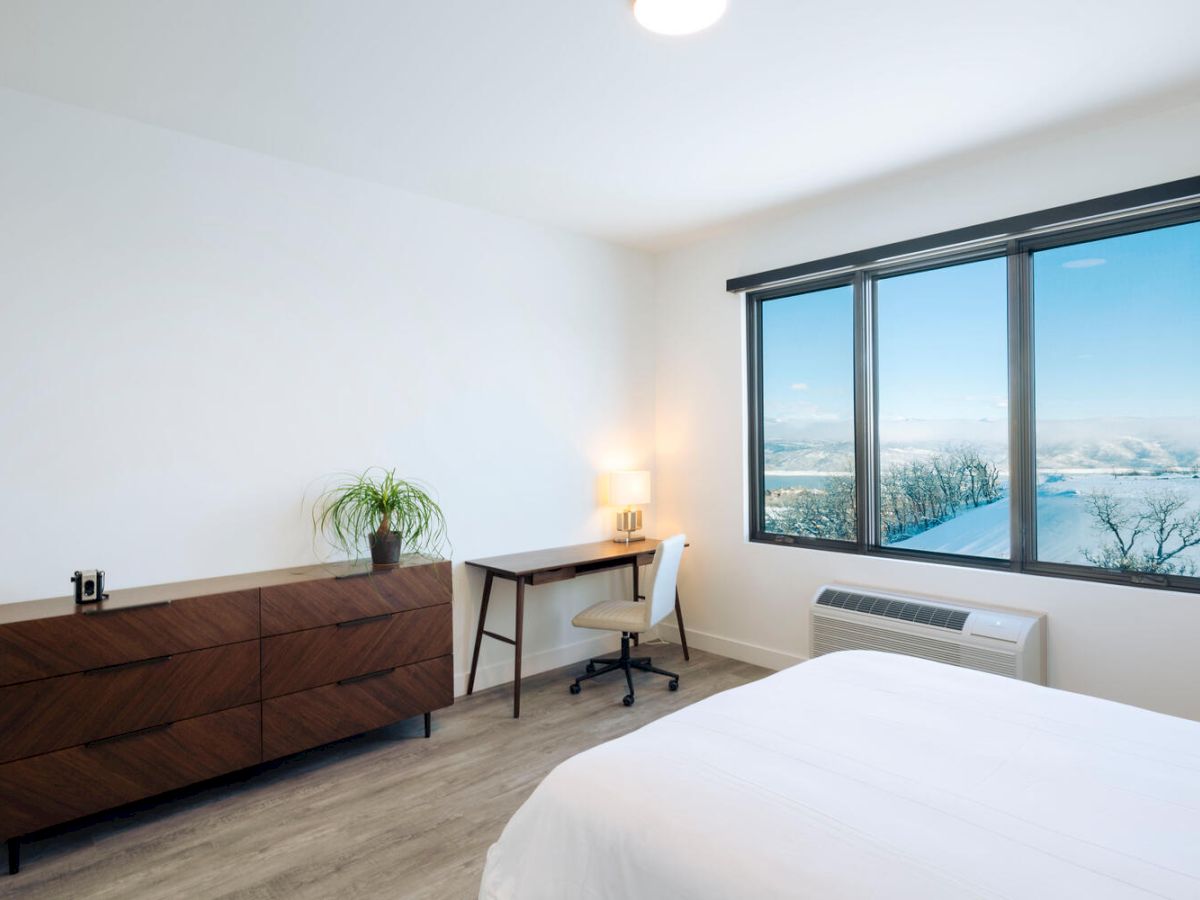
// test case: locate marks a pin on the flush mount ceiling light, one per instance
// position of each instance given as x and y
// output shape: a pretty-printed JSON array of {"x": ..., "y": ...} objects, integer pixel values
[{"x": 675, "y": 17}]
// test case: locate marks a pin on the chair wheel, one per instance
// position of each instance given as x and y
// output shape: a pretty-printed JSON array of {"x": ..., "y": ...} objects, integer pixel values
[
  {"x": 575, "y": 688},
  {"x": 590, "y": 668},
  {"x": 673, "y": 684},
  {"x": 627, "y": 699}
]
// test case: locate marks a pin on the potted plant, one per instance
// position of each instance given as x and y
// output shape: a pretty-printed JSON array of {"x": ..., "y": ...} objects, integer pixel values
[{"x": 391, "y": 514}]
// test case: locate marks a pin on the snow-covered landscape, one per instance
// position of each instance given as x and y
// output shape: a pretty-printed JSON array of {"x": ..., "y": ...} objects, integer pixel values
[
  {"x": 1065, "y": 525},
  {"x": 1123, "y": 493}
]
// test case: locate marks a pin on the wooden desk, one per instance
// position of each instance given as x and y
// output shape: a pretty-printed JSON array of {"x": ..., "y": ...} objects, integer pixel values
[{"x": 547, "y": 567}]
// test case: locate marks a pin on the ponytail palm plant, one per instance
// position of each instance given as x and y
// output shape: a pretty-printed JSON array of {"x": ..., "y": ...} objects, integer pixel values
[{"x": 390, "y": 514}]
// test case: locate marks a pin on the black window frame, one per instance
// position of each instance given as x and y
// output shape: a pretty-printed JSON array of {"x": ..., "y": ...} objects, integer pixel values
[{"x": 1016, "y": 240}]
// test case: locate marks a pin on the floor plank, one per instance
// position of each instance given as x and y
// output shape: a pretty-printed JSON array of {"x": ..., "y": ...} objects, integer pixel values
[{"x": 387, "y": 814}]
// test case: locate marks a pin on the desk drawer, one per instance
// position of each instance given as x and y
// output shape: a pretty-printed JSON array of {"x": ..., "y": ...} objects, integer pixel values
[
  {"x": 40, "y": 716},
  {"x": 309, "y": 718},
  {"x": 57, "y": 787},
  {"x": 305, "y": 659},
  {"x": 564, "y": 574},
  {"x": 88, "y": 638},
  {"x": 311, "y": 604}
]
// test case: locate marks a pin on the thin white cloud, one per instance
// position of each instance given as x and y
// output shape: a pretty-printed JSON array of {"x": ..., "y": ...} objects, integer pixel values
[
  {"x": 1086, "y": 263},
  {"x": 799, "y": 386}
]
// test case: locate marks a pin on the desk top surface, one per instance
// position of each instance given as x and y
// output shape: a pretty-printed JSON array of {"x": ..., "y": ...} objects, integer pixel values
[{"x": 534, "y": 561}]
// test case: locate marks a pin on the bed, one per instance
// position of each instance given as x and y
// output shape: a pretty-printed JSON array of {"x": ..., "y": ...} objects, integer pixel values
[{"x": 864, "y": 774}]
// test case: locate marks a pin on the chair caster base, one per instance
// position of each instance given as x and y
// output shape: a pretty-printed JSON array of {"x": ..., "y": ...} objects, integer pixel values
[
  {"x": 590, "y": 668},
  {"x": 575, "y": 688},
  {"x": 673, "y": 684},
  {"x": 627, "y": 699}
]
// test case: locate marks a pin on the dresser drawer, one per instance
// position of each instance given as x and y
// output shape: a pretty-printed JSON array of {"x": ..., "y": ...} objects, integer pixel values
[
  {"x": 305, "y": 659},
  {"x": 90, "y": 637},
  {"x": 311, "y": 604},
  {"x": 40, "y": 716},
  {"x": 57, "y": 787},
  {"x": 309, "y": 718}
]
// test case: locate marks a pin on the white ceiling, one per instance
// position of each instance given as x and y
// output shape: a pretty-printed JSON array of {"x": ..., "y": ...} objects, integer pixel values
[{"x": 566, "y": 112}]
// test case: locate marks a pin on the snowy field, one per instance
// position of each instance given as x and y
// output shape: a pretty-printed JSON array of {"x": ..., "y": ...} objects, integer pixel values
[{"x": 1065, "y": 526}]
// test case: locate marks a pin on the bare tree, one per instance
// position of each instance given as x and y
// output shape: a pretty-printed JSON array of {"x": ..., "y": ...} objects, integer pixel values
[
  {"x": 1150, "y": 539},
  {"x": 919, "y": 494},
  {"x": 825, "y": 512}
]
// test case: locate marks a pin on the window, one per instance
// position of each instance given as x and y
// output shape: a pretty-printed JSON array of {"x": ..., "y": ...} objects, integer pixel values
[
  {"x": 1118, "y": 408},
  {"x": 807, "y": 452},
  {"x": 943, "y": 409},
  {"x": 1023, "y": 394}
]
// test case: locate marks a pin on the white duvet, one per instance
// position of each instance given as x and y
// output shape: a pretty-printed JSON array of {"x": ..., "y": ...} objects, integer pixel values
[{"x": 868, "y": 775}]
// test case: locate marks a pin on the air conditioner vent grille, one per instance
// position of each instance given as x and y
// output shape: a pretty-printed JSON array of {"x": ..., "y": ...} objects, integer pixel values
[{"x": 904, "y": 610}]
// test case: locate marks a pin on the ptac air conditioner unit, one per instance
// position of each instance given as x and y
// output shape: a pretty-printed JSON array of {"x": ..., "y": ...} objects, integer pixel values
[{"x": 1003, "y": 642}]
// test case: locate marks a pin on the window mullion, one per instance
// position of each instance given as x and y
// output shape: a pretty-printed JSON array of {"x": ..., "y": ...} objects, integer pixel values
[
  {"x": 1021, "y": 455},
  {"x": 866, "y": 452}
]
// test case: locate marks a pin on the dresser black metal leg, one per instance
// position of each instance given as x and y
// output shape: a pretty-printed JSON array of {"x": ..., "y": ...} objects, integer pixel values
[
  {"x": 14, "y": 855},
  {"x": 428, "y": 724}
]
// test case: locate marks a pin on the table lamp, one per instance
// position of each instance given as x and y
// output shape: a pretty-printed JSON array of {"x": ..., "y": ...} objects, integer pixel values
[{"x": 628, "y": 489}]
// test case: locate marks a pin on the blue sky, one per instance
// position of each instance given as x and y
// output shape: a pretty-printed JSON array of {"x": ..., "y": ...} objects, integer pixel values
[
  {"x": 808, "y": 363},
  {"x": 1117, "y": 323}
]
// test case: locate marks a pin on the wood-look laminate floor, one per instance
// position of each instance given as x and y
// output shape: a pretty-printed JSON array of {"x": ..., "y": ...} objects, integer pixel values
[{"x": 387, "y": 814}]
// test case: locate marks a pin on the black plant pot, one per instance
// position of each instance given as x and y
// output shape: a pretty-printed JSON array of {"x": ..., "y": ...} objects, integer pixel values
[{"x": 385, "y": 548}]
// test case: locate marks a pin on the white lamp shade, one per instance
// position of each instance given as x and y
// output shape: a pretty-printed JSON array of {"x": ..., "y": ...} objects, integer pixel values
[
  {"x": 677, "y": 17},
  {"x": 628, "y": 488}
]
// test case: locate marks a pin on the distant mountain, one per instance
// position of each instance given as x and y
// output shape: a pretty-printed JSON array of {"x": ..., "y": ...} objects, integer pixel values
[
  {"x": 1063, "y": 445},
  {"x": 809, "y": 456},
  {"x": 1124, "y": 443}
]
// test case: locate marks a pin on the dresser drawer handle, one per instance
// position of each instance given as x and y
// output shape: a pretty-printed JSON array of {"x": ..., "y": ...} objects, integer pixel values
[
  {"x": 364, "y": 620},
  {"x": 358, "y": 678},
  {"x": 129, "y": 734},
  {"x": 154, "y": 660}
]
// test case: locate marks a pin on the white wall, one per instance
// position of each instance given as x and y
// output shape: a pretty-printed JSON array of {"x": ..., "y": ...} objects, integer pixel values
[
  {"x": 191, "y": 335},
  {"x": 750, "y": 600}
]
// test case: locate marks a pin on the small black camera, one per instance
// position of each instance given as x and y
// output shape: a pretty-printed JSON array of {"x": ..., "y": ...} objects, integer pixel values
[{"x": 89, "y": 586}]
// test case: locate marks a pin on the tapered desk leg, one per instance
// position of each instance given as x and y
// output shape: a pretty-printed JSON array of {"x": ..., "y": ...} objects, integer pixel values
[
  {"x": 14, "y": 855},
  {"x": 679, "y": 621},
  {"x": 636, "y": 592},
  {"x": 428, "y": 724},
  {"x": 520, "y": 628},
  {"x": 487, "y": 595}
]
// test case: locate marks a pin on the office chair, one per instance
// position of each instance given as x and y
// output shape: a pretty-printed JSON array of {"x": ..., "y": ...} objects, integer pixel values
[{"x": 630, "y": 617}]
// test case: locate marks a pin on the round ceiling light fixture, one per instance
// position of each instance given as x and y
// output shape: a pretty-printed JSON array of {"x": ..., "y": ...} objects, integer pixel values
[{"x": 677, "y": 17}]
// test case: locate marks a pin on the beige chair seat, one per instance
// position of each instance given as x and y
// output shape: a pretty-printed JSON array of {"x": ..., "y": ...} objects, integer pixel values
[{"x": 614, "y": 615}]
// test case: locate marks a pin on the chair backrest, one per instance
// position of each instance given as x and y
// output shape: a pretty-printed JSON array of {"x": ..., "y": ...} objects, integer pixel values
[{"x": 663, "y": 572}]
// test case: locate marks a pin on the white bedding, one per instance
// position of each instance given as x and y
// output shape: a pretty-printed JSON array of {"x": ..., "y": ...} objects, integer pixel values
[{"x": 868, "y": 775}]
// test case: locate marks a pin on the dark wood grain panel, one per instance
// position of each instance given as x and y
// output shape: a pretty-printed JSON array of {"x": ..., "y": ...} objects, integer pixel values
[
  {"x": 57, "y": 787},
  {"x": 41, "y": 716},
  {"x": 125, "y": 597},
  {"x": 311, "y": 604},
  {"x": 305, "y": 659},
  {"x": 307, "y": 719},
  {"x": 91, "y": 637}
]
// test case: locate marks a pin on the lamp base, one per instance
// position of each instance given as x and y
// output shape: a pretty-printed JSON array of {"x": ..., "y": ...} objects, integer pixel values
[{"x": 628, "y": 537}]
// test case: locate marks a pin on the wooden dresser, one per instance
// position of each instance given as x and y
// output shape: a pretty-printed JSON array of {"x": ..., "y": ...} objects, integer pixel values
[{"x": 160, "y": 687}]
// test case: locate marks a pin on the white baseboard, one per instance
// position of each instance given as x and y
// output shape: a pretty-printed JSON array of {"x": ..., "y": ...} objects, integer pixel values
[
  {"x": 766, "y": 657},
  {"x": 533, "y": 663}
]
